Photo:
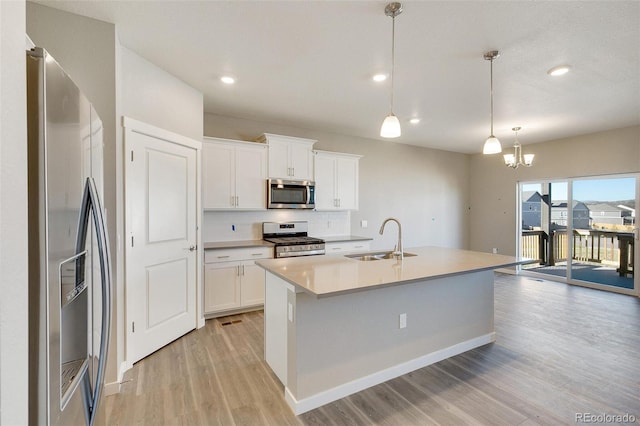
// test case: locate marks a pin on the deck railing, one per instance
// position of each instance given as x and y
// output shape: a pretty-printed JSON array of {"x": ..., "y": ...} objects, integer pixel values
[{"x": 593, "y": 246}]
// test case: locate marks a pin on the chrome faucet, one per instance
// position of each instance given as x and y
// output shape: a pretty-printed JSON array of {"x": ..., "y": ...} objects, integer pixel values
[{"x": 397, "y": 251}]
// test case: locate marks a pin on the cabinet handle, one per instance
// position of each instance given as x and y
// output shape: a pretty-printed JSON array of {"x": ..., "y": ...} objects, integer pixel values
[
  {"x": 256, "y": 254},
  {"x": 222, "y": 257},
  {"x": 293, "y": 171},
  {"x": 336, "y": 248},
  {"x": 237, "y": 201},
  {"x": 243, "y": 270},
  {"x": 338, "y": 202},
  {"x": 358, "y": 246},
  {"x": 233, "y": 200}
]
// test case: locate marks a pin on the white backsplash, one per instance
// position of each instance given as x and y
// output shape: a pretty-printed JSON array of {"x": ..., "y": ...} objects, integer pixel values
[{"x": 219, "y": 226}]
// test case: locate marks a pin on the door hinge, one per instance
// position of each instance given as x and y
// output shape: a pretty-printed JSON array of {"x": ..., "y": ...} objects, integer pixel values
[
  {"x": 131, "y": 155},
  {"x": 133, "y": 327}
]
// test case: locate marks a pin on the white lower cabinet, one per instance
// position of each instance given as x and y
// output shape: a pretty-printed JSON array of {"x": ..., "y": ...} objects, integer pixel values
[
  {"x": 346, "y": 247},
  {"x": 232, "y": 280}
]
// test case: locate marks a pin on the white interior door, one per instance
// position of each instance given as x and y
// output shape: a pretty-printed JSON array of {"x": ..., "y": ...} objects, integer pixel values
[{"x": 161, "y": 263}]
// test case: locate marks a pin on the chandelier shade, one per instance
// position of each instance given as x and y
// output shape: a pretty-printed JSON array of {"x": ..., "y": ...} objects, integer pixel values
[{"x": 518, "y": 159}]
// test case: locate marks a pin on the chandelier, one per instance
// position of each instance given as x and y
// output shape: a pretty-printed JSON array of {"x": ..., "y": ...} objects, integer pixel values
[{"x": 517, "y": 158}]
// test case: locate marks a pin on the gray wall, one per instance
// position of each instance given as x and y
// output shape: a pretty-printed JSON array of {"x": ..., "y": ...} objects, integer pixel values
[
  {"x": 493, "y": 186},
  {"x": 13, "y": 217},
  {"x": 426, "y": 189},
  {"x": 153, "y": 96}
]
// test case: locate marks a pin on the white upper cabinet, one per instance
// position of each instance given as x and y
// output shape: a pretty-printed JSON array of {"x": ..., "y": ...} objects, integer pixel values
[
  {"x": 336, "y": 177},
  {"x": 289, "y": 157},
  {"x": 234, "y": 175}
]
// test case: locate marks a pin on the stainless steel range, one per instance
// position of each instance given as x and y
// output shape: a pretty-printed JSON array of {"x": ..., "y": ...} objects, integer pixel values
[{"x": 291, "y": 239}]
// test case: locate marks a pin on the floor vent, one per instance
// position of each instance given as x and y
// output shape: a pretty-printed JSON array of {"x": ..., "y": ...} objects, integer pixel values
[{"x": 231, "y": 322}]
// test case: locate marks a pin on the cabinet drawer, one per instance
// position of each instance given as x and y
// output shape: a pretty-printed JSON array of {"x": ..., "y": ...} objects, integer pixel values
[
  {"x": 347, "y": 247},
  {"x": 236, "y": 254}
]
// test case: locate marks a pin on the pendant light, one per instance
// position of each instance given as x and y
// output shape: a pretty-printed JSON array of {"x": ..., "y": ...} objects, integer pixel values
[
  {"x": 517, "y": 158},
  {"x": 492, "y": 144},
  {"x": 391, "y": 125}
]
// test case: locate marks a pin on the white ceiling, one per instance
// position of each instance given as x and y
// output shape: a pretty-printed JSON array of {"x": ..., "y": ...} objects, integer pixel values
[{"x": 309, "y": 63}]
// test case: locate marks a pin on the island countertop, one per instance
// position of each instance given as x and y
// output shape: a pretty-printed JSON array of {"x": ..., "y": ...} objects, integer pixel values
[{"x": 336, "y": 274}]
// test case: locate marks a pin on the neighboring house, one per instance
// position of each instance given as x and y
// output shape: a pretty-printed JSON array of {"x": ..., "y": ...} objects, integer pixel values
[
  {"x": 581, "y": 219},
  {"x": 628, "y": 214},
  {"x": 531, "y": 210},
  {"x": 606, "y": 213}
]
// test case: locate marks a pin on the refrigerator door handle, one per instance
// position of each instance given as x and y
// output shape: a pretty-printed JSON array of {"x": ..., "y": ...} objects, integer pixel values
[{"x": 91, "y": 204}]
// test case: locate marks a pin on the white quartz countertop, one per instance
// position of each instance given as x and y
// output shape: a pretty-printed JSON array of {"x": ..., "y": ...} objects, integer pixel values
[
  {"x": 335, "y": 274},
  {"x": 236, "y": 244}
]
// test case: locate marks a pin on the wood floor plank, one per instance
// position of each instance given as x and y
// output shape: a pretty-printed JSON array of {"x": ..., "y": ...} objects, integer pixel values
[{"x": 560, "y": 350}]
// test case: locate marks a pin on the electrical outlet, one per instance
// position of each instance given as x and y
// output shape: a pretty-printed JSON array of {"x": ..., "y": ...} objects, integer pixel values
[
  {"x": 403, "y": 321},
  {"x": 495, "y": 250},
  {"x": 363, "y": 224}
]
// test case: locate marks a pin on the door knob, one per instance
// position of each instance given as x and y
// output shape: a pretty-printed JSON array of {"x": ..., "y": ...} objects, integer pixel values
[{"x": 192, "y": 248}]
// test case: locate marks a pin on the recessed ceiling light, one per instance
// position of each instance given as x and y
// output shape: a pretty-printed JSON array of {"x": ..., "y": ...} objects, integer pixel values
[
  {"x": 226, "y": 79},
  {"x": 414, "y": 120},
  {"x": 379, "y": 77},
  {"x": 559, "y": 70}
]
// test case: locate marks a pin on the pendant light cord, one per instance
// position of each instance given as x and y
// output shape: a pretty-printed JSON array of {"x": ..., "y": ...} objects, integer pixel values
[
  {"x": 393, "y": 55},
  {"x": 491, "y": 90}
]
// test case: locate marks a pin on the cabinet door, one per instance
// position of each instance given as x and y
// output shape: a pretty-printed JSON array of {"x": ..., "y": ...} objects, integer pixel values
[
  {"x": 221, "y": 286},
  {"x": 252, "y": 290},
  {"x": 251, "y": 177},
  {"x": 325, "y": 183},
  {"x": 347, "y": 183},
  {"x": 301, "y": 161},
  {"x": 279, "y": 159},
  {"x": 218, "y": 176}
]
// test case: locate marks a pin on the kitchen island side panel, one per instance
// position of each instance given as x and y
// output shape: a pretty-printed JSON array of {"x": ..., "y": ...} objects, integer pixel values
[
  {"x": 345, "y": 338},
  {"x": 338, "y": 345}
]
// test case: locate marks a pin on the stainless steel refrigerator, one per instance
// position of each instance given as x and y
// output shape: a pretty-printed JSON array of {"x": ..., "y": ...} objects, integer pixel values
[{"x": 69, "y": 271}]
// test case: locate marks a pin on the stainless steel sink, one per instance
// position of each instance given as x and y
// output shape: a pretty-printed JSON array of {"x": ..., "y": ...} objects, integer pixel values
[{"x": 365, "y": 257}]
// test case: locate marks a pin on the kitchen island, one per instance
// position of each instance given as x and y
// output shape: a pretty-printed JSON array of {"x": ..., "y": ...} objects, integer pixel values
[{"x": 335, "y": 325}]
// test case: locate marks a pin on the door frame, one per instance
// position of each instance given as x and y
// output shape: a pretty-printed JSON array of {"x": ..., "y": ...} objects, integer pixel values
[
  {"x": 568, "y": 279},
  {"x": 131, "y": 126}
]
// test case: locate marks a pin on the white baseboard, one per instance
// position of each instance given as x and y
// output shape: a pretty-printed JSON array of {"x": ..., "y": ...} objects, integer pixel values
[
  {"x": 111, "y": 388},
  {"x": 201, "y": 322},
  {"x": 346, "y": 389}
]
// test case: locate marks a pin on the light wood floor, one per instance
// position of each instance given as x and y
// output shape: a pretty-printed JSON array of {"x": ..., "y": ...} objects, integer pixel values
[{"x": 560, "y": 350}]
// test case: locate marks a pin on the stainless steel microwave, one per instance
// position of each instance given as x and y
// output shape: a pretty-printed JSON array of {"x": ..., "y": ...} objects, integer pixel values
[{"x": 291, "y": 194}]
